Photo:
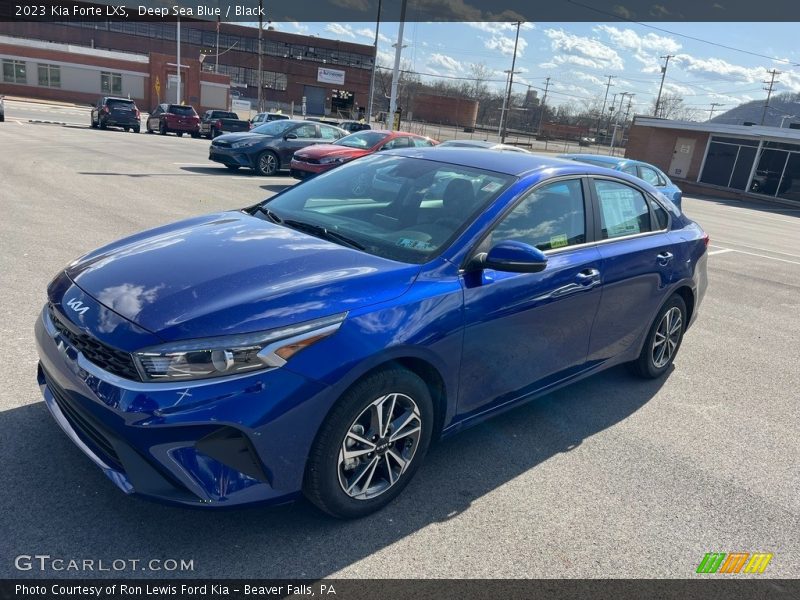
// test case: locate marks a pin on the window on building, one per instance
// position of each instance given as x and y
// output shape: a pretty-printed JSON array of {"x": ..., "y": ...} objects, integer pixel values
[
  {"x": 729, "y": 162},
  {"x": 111, "y": 83},
  {"x": 14, "y": 71},
  {"x": 49, "y": 75},
  {"x": 623, "y": 209}
]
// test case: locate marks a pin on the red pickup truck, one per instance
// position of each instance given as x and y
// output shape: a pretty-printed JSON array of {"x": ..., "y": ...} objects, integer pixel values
[{"x": 175, "y": 118}]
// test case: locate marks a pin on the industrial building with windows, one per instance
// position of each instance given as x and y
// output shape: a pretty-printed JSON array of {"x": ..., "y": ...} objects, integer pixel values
[
  {"x": 332, "y": 76},
  {"x": 731, "y": 160}
]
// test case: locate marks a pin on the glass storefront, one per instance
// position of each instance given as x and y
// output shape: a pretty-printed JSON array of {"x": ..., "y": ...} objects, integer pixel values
[{"x": 729, "y": 163}]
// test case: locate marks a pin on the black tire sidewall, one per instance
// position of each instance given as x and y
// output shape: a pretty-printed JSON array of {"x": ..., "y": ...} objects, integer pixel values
[
  {"x": 645, "y": 364},
  {"x": 321, "y": 485}
]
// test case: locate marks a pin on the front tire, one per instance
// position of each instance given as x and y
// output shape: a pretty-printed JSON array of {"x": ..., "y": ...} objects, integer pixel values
[
  {"x": 179, "y": 133},
  {"x": 267, "y": 163},
  {"x": 162, "y": 129},
  {"x": 663, "y": 340},
  {"x": 370, "y": 445}
]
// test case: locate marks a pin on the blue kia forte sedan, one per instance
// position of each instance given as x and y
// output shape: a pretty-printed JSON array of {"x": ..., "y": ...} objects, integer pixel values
[
  {"x": 318, "y": 342},
  {"x": 650, "y": 173}
]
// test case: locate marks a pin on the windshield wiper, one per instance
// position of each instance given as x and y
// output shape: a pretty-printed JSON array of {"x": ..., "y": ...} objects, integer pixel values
[
  {"x": 269, "y": 214},
  {"x": 323, "y": 232}
]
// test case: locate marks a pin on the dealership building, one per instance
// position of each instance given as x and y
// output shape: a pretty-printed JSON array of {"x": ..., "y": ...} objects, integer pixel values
[
  {"x": 79, "y": 61},
  {"x": 732, "y": 160}
]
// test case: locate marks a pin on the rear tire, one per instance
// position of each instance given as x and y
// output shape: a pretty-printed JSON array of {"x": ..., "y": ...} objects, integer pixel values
[
  {"x": 94, "y": 124},
  {"x": 103, "y": 125},
  {"x": 663, "y": 340},
  {"x": 162, "y": 128},
  {"x": 394, "y": 399},
  {"x": 127, "y": 129},
  {"x": 179, "y": 133},
  {"x": 137, "y": 129}
]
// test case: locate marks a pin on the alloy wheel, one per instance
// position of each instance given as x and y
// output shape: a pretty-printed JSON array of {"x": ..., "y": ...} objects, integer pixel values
[
  {"x": 267, "y": 163},
  {"x": 667, "y": 337},
  {"x": 379, "y": 446}
]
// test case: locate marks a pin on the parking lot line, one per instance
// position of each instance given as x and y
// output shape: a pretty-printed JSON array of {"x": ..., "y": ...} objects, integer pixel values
[
  {"x": 763, "y": 249},
  {"x": 720, "y": 251}
]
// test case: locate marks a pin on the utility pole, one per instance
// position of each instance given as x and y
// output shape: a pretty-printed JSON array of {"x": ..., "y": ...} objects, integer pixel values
[
  {"x": 398, "y": 49},
  {"x": 510, "y": 85},
  {"x": 544, "y": 101},
  {"x": 628, "y": 110},
  {"x": 216, "y": 64},
  {"x": 616, "y": 119},
  {"x": 178, "y": 92},
  {"x": 260, "y": 71},
  {"x": 661, "y": 87},
  {"x": 714, "y": 106},
  {"x": 603, "y": 110},
  {"x": 611, "y": 112},
  {"x": 374, "y": 65},
  {"x": 771, "y": 83}
]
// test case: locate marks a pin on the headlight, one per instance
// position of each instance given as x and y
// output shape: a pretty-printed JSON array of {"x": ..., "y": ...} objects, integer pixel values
[
  {"x": 232, "y": 355},
  {"x": 332, "y": 159},
  {"x": 245, "y": 143}
]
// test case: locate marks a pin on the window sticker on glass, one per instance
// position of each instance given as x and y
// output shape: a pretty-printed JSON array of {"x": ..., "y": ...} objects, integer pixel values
[
  {"x": 490, "y": 187},
  {"x": 620, "y": 212},
  {"x": 557, "y": 241},
  {"x": 414, "y": 244}
]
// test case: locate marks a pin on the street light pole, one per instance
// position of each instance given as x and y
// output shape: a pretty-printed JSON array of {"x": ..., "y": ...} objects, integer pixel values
[
  {"x": 398, "y": 50},
  {"x": 178, "y": 93},
  {"x": 510, "y": 85},
  {"x": 374, "y": 65}
]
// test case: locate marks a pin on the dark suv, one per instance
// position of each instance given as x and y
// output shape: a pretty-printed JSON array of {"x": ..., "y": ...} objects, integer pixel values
[{"x": 116, "y": 112}]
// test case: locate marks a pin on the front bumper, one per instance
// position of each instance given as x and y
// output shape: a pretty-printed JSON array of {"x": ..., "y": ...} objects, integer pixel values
[
  {"x": 230, "y": 156},
  {"x": 210, "y": 444},
  {"x": 302, "y": 169}
]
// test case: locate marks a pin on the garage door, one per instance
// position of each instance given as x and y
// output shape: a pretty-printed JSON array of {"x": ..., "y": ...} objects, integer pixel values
[{"x": 315, "y": 99}]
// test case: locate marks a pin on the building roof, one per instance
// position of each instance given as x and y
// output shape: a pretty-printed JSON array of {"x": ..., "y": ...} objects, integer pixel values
[
  {"x": 749, "y": 131},
  {"x": 73, "y": 49}
]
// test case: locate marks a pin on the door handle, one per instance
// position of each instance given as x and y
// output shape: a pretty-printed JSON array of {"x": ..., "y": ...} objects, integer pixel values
[
  {"x": 664, "y": 258},
  {"x": 588, "y": 277}
]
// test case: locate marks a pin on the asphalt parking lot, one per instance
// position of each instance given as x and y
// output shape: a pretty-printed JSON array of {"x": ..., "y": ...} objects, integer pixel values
[{"x": 611, "y": 477}]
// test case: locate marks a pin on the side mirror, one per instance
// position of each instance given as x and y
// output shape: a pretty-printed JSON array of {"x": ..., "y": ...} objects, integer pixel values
[
  {"x": 514, "y": 257},
  {"x": 290, "y": 136}
]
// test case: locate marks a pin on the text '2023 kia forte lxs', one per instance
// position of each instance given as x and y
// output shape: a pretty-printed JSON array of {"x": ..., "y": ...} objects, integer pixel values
[{"x": 318, "y": 342}]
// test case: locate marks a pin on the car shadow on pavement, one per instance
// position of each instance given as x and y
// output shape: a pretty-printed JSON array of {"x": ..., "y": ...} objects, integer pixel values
[{"x": 57, "y": 502}]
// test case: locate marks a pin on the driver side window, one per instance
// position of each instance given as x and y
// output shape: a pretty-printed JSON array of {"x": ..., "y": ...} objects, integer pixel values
[
  {"x": 306, "y": 131},
  {"x": 552, "y": 216}
]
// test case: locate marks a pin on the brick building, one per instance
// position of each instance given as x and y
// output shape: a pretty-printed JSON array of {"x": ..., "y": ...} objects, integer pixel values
[
  {"x": 332, "y": 76},
  {"x": 732, "y": 160}
]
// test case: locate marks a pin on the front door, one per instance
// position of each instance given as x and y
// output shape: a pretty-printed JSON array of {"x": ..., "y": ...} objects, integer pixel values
[
  {"x": 524, "y": 331},
  {"x": 681, "y": 157}
]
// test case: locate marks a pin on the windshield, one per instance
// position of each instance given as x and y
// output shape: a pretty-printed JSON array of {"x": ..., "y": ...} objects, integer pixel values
[
  {"x": 121, "y": 104},
  {"x": 273, "y": 128},
  {"x": 181, "y": 110},
  {"x": 405, "y": 209},
  {"x": 362, "y": 139}
]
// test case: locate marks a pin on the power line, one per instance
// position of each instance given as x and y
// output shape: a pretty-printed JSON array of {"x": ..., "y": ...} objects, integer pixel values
[{"x": 617, "y": 17}]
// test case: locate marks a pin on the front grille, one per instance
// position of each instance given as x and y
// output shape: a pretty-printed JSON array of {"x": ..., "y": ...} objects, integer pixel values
[
  {"x": 110, "y": 359},
  {"x": 310, "y": 161},
  {"x": 83, "y": 425},
  {"x": 220, "y": 144}
]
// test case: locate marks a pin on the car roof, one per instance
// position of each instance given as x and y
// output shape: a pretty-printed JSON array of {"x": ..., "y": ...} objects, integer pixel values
[
  {"x": 611, "y": 160},
  {"x": 472, "y": 143},
  {"x": 509, "y": 163}
]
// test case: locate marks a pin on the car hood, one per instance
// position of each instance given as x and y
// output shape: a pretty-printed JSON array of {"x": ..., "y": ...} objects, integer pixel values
[
  {"x": 230, "y": 273},
  {"x": 242, "y": 135},
  {"x": 326, "y": 150}
]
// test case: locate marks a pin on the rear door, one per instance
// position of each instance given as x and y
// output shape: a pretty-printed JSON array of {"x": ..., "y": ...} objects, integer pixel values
[{"x": 638, "y": 262}]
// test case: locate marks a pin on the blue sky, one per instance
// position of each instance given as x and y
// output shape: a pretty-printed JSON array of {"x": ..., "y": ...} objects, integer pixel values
[{"x": 578, "y": 57}]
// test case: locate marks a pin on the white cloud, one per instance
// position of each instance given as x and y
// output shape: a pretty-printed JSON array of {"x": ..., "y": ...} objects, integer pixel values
[
  {"x": 385, "y": 59},
  {"x": 587, "y": 77},
  {"x": 630, "y": 40},
  {"x": 495, "y": 27},
  {"x": 370, "y": 34},
  {"x": 446, "y": 62},
  {"x": 299, "y": 28},
  {"x": 582, "y": 51},
  {"x": 505, "y": 45},
  {"x": 339, "y": 29},
  {"x": 721, "y": 69}
]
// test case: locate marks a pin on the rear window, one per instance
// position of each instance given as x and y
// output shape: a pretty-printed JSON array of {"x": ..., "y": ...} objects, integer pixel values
[
  {"x": 224, "y": 115},
  {"x": 186, "y": 111},
  {"x": 121, "y": 103}
]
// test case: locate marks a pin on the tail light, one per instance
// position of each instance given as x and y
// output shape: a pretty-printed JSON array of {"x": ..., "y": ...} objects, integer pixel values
[
  {"x": 138, "y": 114},
  {"x": 219, "y": 124},
  {"x": 105, "y": 109},
  {"x": 706, "y": 240}
]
